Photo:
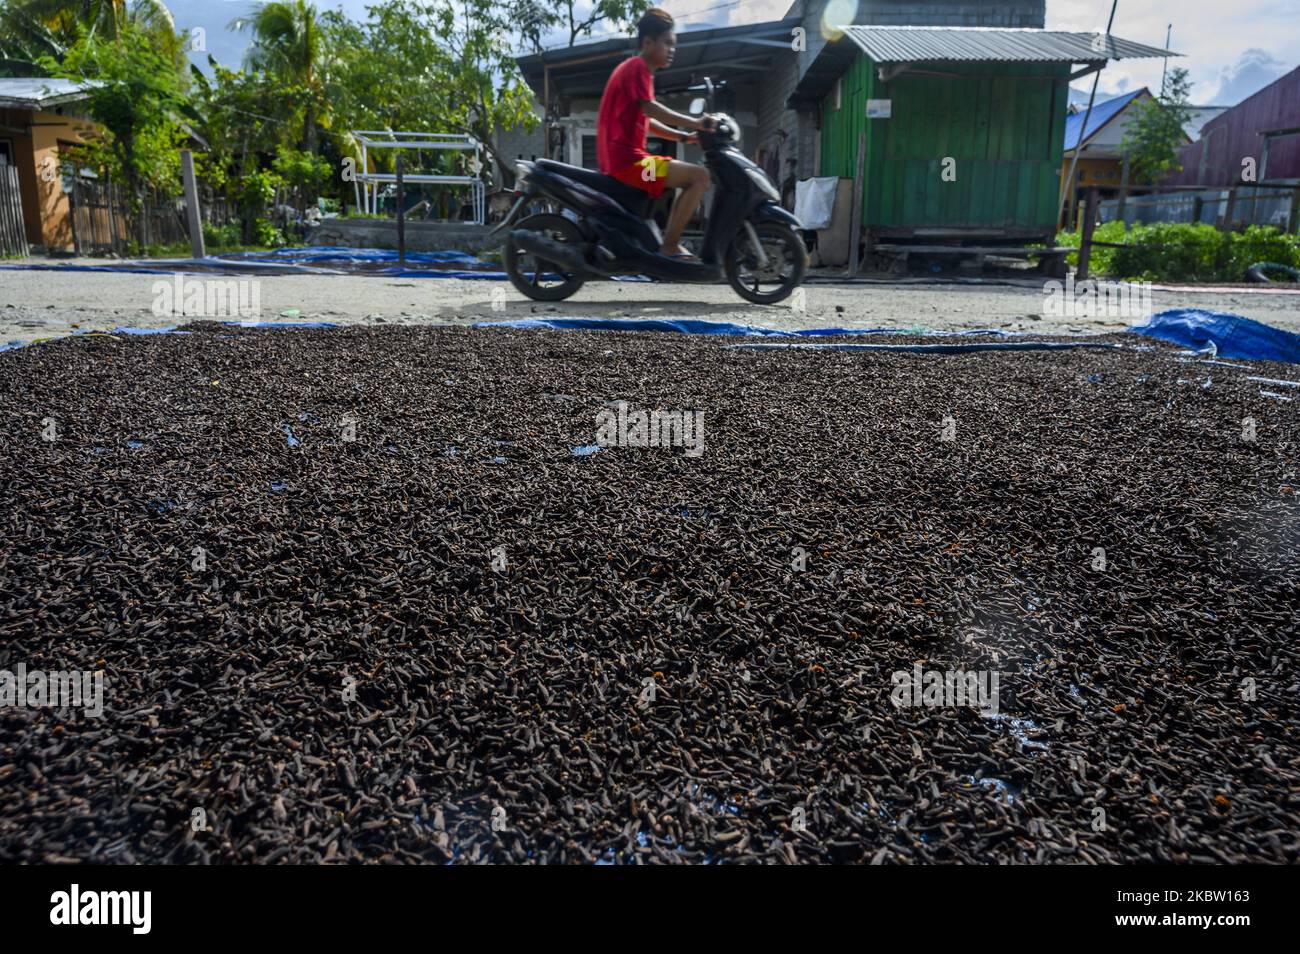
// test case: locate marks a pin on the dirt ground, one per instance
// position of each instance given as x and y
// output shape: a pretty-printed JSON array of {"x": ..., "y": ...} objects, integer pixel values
[{"x": 36, "y": 304}]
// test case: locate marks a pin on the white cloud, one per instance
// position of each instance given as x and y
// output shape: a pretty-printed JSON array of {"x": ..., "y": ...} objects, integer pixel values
[{"x": 1214, "y": 38}]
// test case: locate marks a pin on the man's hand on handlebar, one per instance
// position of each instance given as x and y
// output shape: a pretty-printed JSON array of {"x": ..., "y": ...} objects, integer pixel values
[{"x": 703, "y": 124}]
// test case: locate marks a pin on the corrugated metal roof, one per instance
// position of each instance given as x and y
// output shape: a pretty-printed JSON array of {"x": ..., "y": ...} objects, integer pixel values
[
  {"x": 38, "y": 92},
  {"x": 885, "y": 44}
]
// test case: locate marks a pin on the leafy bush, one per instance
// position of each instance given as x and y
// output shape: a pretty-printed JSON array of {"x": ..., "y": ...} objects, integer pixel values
[
  {"x": 1262, "y": 243},
  {"x": 1102, "y": 257},
  {"x": 220, "y": 236},
  {"x": 1179, "y": 252},
  {"x": 304, "y": 173},
  {"x": 265, "y": 233}
]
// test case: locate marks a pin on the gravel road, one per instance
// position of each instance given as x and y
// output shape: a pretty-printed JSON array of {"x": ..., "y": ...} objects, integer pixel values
[{"x": 37, "y": 304}]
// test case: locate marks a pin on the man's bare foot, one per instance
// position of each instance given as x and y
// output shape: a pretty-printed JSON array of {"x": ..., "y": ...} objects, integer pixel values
[{"x": 675, "y": 251}]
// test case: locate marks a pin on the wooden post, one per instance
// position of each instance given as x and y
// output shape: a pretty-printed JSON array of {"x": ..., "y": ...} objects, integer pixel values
[
  {"x": 1123, "y": 190},
  {"x": 1198, "y": 208},
  {"x": 855, "y": 220},
  {"x": 1072, "y": 222},
  {"x": 113, "y": 239},
  {"x": 1293, "y": 216},
  {"x": 1229, "y": 210},
  {"x": 401, "y": 213},
  {"x": 546, "y": 109},
  {"x": 192, "y": 212},
  {"x": 1089, "y": 222}
]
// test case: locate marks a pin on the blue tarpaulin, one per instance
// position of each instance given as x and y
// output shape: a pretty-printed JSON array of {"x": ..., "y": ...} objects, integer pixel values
[
  {"x": 965, "y": 347},
  {"x": 1232, "y": 336},
  {"x": 318, "y": 260},
  {"x": 342, "y": 255},
  {"x": 699, "y": 326}
]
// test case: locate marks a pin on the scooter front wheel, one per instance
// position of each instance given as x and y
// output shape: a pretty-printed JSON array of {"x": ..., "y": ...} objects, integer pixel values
[
  {"x": 537, "y": 278},
  {"x": 766, "y": 283}
]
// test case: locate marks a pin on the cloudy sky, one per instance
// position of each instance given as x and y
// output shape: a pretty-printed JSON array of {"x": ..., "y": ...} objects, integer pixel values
[{"x": 1230, "y": 49}]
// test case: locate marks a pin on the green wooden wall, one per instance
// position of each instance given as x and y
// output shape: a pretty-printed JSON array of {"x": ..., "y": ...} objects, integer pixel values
[{"x": 1003, "y": 123}]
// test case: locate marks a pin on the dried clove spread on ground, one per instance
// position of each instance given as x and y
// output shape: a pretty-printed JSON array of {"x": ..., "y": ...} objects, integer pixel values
[{"x": 379, "y": 594}]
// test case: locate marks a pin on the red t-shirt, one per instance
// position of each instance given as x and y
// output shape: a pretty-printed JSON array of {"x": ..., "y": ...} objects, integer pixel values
[{"x": 621, "y": 127}]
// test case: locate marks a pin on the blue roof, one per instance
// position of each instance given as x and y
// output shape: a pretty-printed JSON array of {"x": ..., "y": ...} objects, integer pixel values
[{"x": 1102, "y": 113}]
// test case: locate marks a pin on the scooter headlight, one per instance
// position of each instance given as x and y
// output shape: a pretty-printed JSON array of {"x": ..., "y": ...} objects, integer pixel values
[{"x": 764, "y": 184}]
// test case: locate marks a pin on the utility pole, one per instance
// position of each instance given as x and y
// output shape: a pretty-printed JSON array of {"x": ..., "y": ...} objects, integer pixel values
[
  {"x": 1067, "y": 188},
  {"x": 1169, "y": 35},
  {"x": 192, "y": 214}
]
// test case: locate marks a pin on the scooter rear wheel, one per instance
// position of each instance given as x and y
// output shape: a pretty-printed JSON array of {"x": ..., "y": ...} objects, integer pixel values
[
  {"x": 541, "y": 280},
  {"x": 787, "y": 260}
]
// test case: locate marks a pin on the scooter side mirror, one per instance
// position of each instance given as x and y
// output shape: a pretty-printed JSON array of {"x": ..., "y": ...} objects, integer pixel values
[{"x": 697, "y": 106}]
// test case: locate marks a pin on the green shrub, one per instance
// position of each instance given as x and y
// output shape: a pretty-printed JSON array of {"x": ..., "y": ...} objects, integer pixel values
[
  {"x": 1262, "y": 243},
  {"x": 1101, "y": 256},
  {"x": 265, "y": 233},
  {"x": 220, "y": 236},
  {"x": 1180, "y": 252}
]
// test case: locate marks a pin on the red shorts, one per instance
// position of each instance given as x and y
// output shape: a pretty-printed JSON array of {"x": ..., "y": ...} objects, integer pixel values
[{"x": 646, "y": 174}]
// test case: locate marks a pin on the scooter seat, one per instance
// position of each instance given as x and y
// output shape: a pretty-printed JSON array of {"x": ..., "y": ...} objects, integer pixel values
[{"x": 629, "y": 197}]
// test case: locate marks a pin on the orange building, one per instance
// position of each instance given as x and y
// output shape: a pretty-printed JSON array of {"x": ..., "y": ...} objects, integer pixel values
[{"x": 39, "y": 121}]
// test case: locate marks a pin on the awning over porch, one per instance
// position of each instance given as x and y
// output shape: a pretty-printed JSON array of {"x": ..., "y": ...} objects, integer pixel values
[
  {"x": 735, "y": 54},
  {"x": 39, "y": 93}
]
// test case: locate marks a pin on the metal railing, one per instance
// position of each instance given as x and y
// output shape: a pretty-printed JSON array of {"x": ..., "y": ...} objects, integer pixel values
[
  {"x": 367, "y": 184},
  {"x": 1267, "y": 203}
]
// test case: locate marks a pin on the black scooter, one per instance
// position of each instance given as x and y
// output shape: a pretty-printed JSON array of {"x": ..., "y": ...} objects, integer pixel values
[{"x": 601, "y": 228}]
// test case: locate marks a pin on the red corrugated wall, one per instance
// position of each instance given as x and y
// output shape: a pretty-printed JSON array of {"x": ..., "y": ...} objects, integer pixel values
[{"x": 1216, "y": 158}]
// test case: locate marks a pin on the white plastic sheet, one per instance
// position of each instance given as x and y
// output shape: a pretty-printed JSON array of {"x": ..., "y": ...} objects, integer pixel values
[{"x": 813, "y": 201}]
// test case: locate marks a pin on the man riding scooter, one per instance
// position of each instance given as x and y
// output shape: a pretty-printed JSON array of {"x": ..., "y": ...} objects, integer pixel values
[
  {"x": 581, "y": 224},
  {"x": 628, "y": 112}
]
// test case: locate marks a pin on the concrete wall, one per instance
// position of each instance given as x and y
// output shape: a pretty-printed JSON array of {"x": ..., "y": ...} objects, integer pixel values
[
  {"x": 519, "y": 141},
  {"x": 382, "y": 233}
]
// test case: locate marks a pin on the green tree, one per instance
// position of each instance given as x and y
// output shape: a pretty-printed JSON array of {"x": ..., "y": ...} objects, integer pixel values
[
  {"x": 33, "y": 29},
  {"x": 139, "y": 98},
  {"x": 288, "y": 45},
  {"x": 1156, "y": 133},
  {"x": 393, "y": 73},
  {"x": 237, "y": 123},
  {"x": 304, "y": 173},
  {"x": 534, "y": 19},
  {"x": 620, "y": 14},
  {"x": 488, "y": 92}
]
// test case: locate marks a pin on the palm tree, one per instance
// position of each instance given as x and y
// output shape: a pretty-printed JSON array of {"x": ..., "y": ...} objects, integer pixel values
[
  {"x": 288, "y": 45},
  {"x": 30, "y": 29}
]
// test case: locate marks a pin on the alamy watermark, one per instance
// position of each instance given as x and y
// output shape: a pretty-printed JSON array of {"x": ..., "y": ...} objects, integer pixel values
[
  {"x": 1096, "y": 299},
  {"x": 624, "y": 428},
  {"x": 74, "y": 907},
  {"x": 56, "y": 690},
  {"x": 184, "y": 297},
  {"x": 953, "y": 688}
]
